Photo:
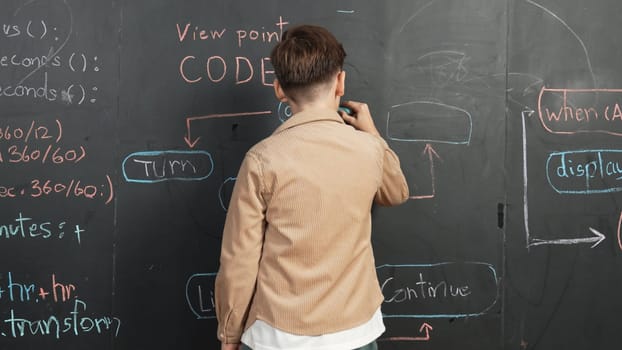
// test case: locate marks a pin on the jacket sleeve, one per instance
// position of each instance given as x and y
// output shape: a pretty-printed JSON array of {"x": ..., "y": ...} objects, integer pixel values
[
  {"x": 241, "y": 250},
  {"x": 393, "y": 188}
]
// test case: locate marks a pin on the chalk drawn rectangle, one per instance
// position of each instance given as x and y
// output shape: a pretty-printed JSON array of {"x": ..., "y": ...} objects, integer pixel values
[{"x": 429, "y": 121}]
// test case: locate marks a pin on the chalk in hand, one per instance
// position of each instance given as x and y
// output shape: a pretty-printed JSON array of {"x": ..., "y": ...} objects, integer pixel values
[{"x": 347, "y": 110}]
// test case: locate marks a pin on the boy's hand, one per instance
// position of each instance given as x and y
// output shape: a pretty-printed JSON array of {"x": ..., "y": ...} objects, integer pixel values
[
  {"x": 361, "y": 117},
  {"x": 229, "y": 346}
]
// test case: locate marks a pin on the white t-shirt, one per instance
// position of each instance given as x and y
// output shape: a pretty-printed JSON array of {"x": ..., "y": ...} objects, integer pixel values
[{"x": 262, "y": 336}]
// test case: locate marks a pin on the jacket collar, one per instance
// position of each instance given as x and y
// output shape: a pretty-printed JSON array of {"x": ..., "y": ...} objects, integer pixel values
[{"x": 309, "y": 116}]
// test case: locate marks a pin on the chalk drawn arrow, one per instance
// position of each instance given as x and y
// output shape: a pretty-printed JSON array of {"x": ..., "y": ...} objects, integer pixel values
[
  {"x": 596, "y": 238},
  {"x": 425, "y": 328},
  {"x": 620, "y": 231},
  {"x": 431, "y": 154},
  {"x": 191, "y": 142}
]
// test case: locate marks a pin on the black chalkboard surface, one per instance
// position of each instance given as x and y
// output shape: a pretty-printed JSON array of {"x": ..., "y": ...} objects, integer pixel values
[{"x": 123, "y": 125}]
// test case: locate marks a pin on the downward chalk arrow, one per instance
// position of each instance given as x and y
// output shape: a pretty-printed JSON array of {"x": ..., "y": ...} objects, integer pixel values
[{"x": 192, "y": 142}]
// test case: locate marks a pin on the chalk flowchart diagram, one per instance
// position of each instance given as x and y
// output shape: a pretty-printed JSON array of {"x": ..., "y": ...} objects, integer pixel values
[
  {"x": 428, "y": 122},
  {"x": 411, "y": 291},
  {"x": 582, "y": 171}
]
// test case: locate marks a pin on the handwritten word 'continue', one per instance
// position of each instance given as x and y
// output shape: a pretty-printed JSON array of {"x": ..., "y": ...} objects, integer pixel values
[{"x": 437, "y": 290}]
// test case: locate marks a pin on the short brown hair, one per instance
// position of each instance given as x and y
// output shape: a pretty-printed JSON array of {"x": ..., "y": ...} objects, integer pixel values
[{"x": 307, "y": 55}]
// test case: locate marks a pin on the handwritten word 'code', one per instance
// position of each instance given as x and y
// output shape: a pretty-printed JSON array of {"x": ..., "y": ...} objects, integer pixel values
[{"x": 216, "y": 69}]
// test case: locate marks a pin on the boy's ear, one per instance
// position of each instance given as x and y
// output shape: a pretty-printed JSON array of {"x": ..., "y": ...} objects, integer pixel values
[
  {"x": 341, "y": 83},
  {"x": 278, "y": 91}
]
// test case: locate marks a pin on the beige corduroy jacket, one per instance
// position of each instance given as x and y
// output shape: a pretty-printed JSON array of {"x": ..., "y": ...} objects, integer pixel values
[{"x": 296, "y": 250}]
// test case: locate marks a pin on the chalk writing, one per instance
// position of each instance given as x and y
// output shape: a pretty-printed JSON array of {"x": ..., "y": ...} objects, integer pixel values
[
  {"x": 19, "y": 292},
  {"x": 200, "y": 295},
  {"x": 69, "y": 93},
  {"x": 75, "y": 61},
  {"x": 158, "y": 166},
  {"x": 410, "y": 291},
  {"x": 438, "y": 290},
  {"x": 24, "y": 227},
  {"x": 585, "y": 171},
  {"x": 53, "y": 290},
  {"x": 216, "y": 68},
  {"x": 190, "y": 32},
  {"x": 35, "y": 130},
  {"x": 591, "y": 110},
  {"x": 50, "y": 154},
  {"x": 33, "y": 29},
  {"x": 76, "y": 323},
  {"x": 47, "y": 56},
  {"x": 71, "y": 188}
]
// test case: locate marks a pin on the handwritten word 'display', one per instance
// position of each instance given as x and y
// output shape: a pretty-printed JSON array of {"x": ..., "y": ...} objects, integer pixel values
[{"x": 585, "y": 171}]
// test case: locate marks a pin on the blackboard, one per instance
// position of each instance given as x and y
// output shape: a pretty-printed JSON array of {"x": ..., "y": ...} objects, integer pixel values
[{"x": 123, "y": 125}]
